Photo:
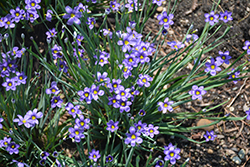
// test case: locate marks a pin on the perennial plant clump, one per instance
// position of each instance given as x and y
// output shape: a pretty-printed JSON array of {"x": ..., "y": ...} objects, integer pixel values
[{"x": 104, "y": 88}]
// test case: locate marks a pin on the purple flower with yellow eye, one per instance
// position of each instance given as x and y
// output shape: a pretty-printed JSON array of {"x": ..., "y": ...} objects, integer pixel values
[
  {"x": 32, "y": 4},
  {"x": 122, "y": 93},
  {"x": 63, "y": 66},
  {"x": 114, "y": 86},
  {"x": 165, "y": 106},
  {"x": 112, "y": 126},
  {"x": 8, "y": 21},
  {"x": 211, "y": 18},
  {"x": 44, "y": 155},
  {"x": 49, "y": 15},
  {"x": 91, "y": 22},
  {"x": 10, "y": 84},
  {"x": 55, "y": 154},
  {"x": 151, "y": 130},
  {"x": 176, "y": 45},
  {"x": 114, "y": 5},
  {"x": 107, "y": 33},
  {"x": 165, "y": 19},
  {"x": 5, "y": 142},
  {"x": 32, "y": 15},
  {"x": 85, "y": 94},
  {"x": 142, "y": 56},
  {"x": 113, "y": 101},
  {"x": 126, "y": 70},
  {"x": 33, "y": 116},
  {"x": 20, "y": 78},
  {"x": 159, "y": 163},
  {"x": 247, "y": 47},
  {"x": 79, "y": 39},
  {"x": 23, "y": 120},
  {"x": 226, "y": 16},
  {"x": 109, "y": 158},
  {"x": 171, "y": 153},
  {"x": 19, "y": 164},
  {"x": 73, "y": 110},
  {"x": 51, "y": 33},
  {"x": 133, "y": 137},
  {"x": 4, "y": 69},
  {"x": 95, "y": 92},
  {"x": 82, "y": 123},
  {"x": 56, "y": 51},
  {"x": 197, "y": 92},
  {"x": 210, "y": 136},
  {"x": 141, "y": 113},
  {"x": 224, "y": 57},
  {"x": 126, "y": 42},
  {"x": 140, "y": 127},
  {"x": 102, "y": 60},
  {"x": 42, "y": 162},
  {"x": 103, "y": 78},
  {"x": 124, "y": 106},
  {"x": 130, "y": 60},
  {"x": 132, "y": 4},
  {"x": 76, "y": 133},
  {"x": 234, "y": 75},
  {"x": 53, "y": 90},
  {"x": 94, "y": 155},
  {"x": 72, "y": 15},
  {"x": 11, "y": 65},
  {"x": 81, "y": 8},
  {"x": 144, "y": 80},
  {"x": 17, "y": 14},
  {"x": 133, "y": 92},
  {"x": 13, "y": 148},
  {"x": 56, "y": 101},
  {"x": 158, "y": 2},
  {"x": 213, "y": 66}
]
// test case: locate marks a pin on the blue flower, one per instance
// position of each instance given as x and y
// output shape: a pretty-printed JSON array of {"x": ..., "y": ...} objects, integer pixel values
[{"x": 133, "y": 137}]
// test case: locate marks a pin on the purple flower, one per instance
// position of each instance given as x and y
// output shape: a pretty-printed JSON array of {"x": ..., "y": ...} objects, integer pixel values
[
  {"x": 133, "y": 92},
  {"x": 132, "y": 4},
  {"x": 82, "y": 123},
  {"x": 224, "y": 57},
  {"x": 53, "y": 90},
  {"x": 234, "y": 75},
  {"x": 85, "y": 94},
  {"x": 8, "y": 21},
  {"x": 79, "y": 39},
  {"x": 32, "y": 15},
  {"x": 5, "y": 142},
  {"x": 20, "y": 78},
  {"x": 113, "y": 101},
  {"x": 142, "y": 56},
  {"x": 126, "y": 42},
  {"x": 133, "y": 137},
  {"x": 140, "y": 127},
  {"x": 126, "y": 70},
  {"x": 144, "y": 80},
  {"x": 11, "y": 65},
  {"x": 94, "y": 155},
  {"x": 159, "y": 163},
  {"x": 63, "y": 66},
  {"x": 73, "y": 110},
  {"x": 56, "y": 51},
  {"x": 226, "y": 16},
  {"x": 55, "y": 154},
  {"x": 165, "y": 19},
  {"x": 175, "y": 45},
  {"x": 32, "y": 4},
  {"x": 213, "y": 66},
  {"x": 72, "y": 15},
  {"x": 114, "y": 5},
  {"x": 197, "y": 92},
  {"x": 51, "y": 33},
  {"x": 114, "y": 86},
  {"x": 192, "y": 37},
  {"x": 81, "y": 8},
  {"x": 20, "y": 164},
  {"x": 4, "y": 69},
  {"x": 124, "y": 106},
  {"x": 130, "y": 60},
  {"x": 165, "y": 106},
  {"x": 23, "y": 120},
  {"x": 248, "y": 114},
  {"x": 211, "y": 18},
  {"x": 151, "y": 130},
  {"x": 79, "y": 53},
  {"x": 210, "y": 136},
  {"x": 109, "y": 158},
  {"x": 247, "y": 47},
  {"x": 172, "y": 153},
  {"x": 102, "y": 60},
  {"x": 42, "y": 162},
  {"x": 48, "y": 15},
  {"x": 142, "y": 113},
  {"x": 44, "y": 155},
  {"x": 33, "y": 116},
  {"x": 158, "y": 2},
  {"x": 103, "y": 77},
  {"x": 1, "y": 120},
  {"x": 56, "y": 101},
  {"x": 122, "y": 93},
  {"x": 112, "y": 126},
  {"x": 91, "y": 22},
  {"x": 12, "y": 148},
  {"x": 10, "y": 84},
  {"x": 17, "y": 14},
  {"x": 95, "y": 92},
  {"x": 76, "y": 133},
  {"x": 107, "y": 32}
]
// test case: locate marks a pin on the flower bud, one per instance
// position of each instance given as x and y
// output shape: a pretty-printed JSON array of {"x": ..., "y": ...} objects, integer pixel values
[{"x": 22, "y": 36}]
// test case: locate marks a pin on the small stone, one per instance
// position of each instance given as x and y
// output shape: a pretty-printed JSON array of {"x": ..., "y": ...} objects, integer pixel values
[
  {"x": 248, "y": 9},
  {"x": 210, "y": 151},
  {"x": 231, "y": 108},
  {"x": 203, "y": 122},
  {"x": 242, "y": 154},
  {"x": 237, "y": 160},
  {"x": 234, "y": 149},
  {"x": 230, "y": 152},
  {"x": 220, "y": 136},
  {"x": 245, "y": 108},
  {"x": 159, "y": 9}
]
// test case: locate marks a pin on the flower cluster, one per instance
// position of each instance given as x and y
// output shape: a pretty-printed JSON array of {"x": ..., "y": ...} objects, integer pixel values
[
  {"x": 171, "y": 153},
  {"x": 212, "y": 18},
  {"x": 9, "y": 145}
]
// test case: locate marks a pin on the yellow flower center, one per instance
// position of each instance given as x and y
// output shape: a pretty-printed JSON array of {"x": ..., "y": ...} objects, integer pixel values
[
  {"x": 112, "y": 127},
  {"x": 86, "y": 94},
  {"x": 13, "y": 146},
  {"x": 165, "y": 105},
  {"x": 223, "y": 57},
  {"x": 72, "y": 15},
  {"x": 225, "y": 17},
  {"x": 123, "y": 104},
  {"x": 133, "y": 137},
  {"x": 209, "y": 137},
  {"x": 24, "y": 121},
  {"x": 101, "y": 60},
  {"x": 115, "y": 85},
  {"x": 212, "y": 67},
  {"x": 141, "y": 57},
  {"x": 197, "y": 92},
  {"x": 130, "y": 60},
  {"x": 31, "y": 15},
  {"x": 101, "y": 79},
  {"x": 10, "y": 84},
  {"x": 211, "y": 18},
  {"x": 126, "y": 42},
  {"x": 33, "y": 117},
  {"x": 53, "y": 90},
  {"x": 77, "y": 132},
  {"x": 144, "y": 80},
  {"x": 72, "y": 110},
  {"x": 17, "y": 14},
  {"x": 32, "y": 4},
  {"x": 151, "y": 131},
  {"x": 95, "y": 92},
  {"x": 94, "y": 156},
  {"x": 21, "y": 78},
  {"x": 8, "y": 22},
  {"x": 165, "y": 20},
  {"x": 82, "y": 123},
  {"x": 55, "y": 101},
  {"x": 55, "y": 51},
  {"x": 144, "y": 49},
  {"x": 122, "y": 93},
  {"x": 171, "y": 154},
  {"x": 4, "y": 68},
  {"x": 125, "y": 69},
  {"x": 113, "y": 6},
  {"x": 233, "y": 76},
  {"x": 114, "y": 101},
  {"x": 138, "y": 127}
]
